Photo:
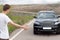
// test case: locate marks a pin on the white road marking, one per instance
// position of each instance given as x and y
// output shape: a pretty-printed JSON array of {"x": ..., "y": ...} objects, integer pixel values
[
  {"x": 21, "y": 30},
  {"x": 16, "y": 34}
]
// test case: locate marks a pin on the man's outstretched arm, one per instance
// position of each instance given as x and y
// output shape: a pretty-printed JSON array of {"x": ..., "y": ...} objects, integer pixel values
[{"x": 19, "y": 26}]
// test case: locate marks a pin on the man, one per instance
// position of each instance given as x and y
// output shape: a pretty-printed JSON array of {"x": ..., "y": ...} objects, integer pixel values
[{"x": 4, "y": 21}]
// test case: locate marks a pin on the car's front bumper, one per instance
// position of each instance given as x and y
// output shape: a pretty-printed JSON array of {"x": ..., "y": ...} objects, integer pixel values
[{"x": 40, "y": 29}]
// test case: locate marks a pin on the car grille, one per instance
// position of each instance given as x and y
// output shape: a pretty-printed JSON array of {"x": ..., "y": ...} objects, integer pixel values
[{"x": 47, "y": 24}]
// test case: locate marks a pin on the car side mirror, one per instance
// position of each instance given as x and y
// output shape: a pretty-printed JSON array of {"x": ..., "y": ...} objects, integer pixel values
[
  {"x": 58, "y": 16},
  {"x": 35, "y": 17}
]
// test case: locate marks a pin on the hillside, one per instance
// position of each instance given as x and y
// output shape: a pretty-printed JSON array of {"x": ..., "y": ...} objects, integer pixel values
[{"x": 36, "y": 8}]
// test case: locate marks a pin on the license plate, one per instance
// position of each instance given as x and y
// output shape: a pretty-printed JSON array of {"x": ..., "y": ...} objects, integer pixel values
[{"x": 47, "y": 28}]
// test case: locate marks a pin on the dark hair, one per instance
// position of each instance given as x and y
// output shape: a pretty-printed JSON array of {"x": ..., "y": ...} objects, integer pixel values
[{"x": 6, "y": 7}]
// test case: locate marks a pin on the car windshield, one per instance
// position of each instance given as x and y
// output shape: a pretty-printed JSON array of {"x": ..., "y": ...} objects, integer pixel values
[{"x": 46, "y": 15}]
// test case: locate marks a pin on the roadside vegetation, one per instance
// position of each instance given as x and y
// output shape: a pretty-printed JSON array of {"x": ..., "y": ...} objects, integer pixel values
[
  {"x": 19, "y": 20},
  {"x": 1, "y": 8}
]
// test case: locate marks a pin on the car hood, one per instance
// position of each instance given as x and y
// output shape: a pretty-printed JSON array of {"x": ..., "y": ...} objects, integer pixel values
[{"x": 42, "y": 20}]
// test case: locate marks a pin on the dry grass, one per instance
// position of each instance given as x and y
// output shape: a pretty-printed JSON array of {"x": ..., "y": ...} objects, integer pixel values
[{"x": 36, "y": 8}]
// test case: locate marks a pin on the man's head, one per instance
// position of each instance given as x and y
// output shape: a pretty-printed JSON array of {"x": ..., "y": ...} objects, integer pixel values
[{"x": 6, "y": 8}]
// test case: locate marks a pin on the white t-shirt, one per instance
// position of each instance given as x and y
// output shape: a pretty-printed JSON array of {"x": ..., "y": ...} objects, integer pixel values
[{"x": 4, "y": 19}]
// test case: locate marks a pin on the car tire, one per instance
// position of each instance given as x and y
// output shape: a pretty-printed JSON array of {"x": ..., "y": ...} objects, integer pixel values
[
  {"x": 58, "y": 31},
  {"x": 35, "y": 31}
]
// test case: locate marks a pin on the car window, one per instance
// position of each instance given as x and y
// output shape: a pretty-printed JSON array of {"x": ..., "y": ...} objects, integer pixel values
[{"x": 46, "y": 15}]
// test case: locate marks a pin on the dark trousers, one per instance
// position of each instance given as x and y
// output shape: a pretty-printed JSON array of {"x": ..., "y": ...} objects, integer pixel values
[{"x": 4, "y": 39}]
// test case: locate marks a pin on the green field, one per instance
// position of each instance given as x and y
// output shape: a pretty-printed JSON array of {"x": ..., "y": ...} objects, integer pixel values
[
  {"x": 0, "y": 8},
  {"x": 17, "y": 19}
]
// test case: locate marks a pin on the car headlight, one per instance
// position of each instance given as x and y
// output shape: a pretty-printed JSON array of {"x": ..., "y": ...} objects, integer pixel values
[
  {"x": 37, "y": 23},
  {"x": 57, "y": 23}
]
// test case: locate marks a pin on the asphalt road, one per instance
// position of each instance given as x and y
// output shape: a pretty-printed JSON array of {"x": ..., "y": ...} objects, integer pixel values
[{"x": 28, "y": 35}]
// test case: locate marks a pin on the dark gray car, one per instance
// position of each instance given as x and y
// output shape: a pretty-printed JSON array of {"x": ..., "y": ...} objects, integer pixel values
[{"x": 46, "y": 21}]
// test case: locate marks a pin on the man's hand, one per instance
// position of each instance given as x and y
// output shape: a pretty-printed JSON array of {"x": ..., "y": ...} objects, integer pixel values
[{"x": 25, "y": 27}]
